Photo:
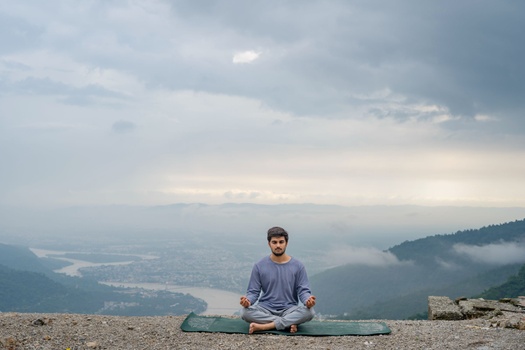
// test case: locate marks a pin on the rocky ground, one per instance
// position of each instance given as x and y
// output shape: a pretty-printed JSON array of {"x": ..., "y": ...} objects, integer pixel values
[{"x": 73, "y": 331}]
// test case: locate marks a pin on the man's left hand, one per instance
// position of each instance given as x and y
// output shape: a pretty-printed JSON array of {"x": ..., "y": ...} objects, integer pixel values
[{"x": 310, "y": 302}]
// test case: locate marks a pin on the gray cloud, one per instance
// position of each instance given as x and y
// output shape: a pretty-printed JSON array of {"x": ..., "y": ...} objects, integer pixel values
[
  {"x": 465, "y": 56},
  {"x": 88, "y": 94}
]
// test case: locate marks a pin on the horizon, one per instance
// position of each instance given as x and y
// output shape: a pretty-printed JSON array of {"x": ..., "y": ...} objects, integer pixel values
[{"x": 378, "y": 227}]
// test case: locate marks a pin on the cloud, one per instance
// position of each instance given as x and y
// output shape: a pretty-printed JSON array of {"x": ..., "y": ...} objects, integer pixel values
[
  {"x": 241, "y": 195},
  {"x": 447, "y": 265},
  {"x": 494, "y": 253},
  {"x": 485, "y": 118},
  {"x": 321, "y": 56},
  {"x": 343, "y": 255},
  {"x": 245, "y": 57},
  {"x": 348, "y": 104},
  {"x": 68, "y": 94}
]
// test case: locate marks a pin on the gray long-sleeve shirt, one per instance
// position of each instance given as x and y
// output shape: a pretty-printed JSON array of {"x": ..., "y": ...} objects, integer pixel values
[{"x": 278, "y": 286}]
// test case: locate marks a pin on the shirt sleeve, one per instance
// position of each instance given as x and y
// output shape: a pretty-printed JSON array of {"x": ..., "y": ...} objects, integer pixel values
[
  {"x": 303, "y": 285},
  {"x": 254, "y": 286}
]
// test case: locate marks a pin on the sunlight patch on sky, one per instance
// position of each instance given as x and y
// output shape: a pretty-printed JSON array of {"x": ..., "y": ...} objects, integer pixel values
[{"x": 245, "y": 56}]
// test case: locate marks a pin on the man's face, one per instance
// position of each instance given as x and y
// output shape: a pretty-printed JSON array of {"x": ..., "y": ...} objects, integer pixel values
[{"x": 278, "y": 245}]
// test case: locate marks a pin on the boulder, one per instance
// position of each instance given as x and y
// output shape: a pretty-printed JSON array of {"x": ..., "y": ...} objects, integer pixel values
[
  {"x": 443, "y": 308},
  {"x": 507, "y": 312},
  {"x": 475, "y": 308}
]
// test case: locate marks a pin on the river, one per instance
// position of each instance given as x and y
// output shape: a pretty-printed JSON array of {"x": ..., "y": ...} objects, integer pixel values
[{"x": 220, "y": 302}]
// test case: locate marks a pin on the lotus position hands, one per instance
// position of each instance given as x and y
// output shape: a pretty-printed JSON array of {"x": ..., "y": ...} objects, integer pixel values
[
  {"x": 310, "y": 302},
  {"x": 245, "y": 302}
]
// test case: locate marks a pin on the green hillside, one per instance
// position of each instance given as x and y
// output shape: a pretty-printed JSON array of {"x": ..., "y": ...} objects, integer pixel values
[
  {"x": 426, "y": 249},
  {"x": 28, "y": 286},
  {"x": 412, "y": 304},
  {"x": 20, "y": 258},
  {"x": 24, "y": 290},
  {"x": 427, "y": 266},
  {"x": 512, "y": 288}
]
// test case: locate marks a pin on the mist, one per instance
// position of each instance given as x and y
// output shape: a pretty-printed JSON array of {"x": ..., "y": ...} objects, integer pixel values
[
  {"x": 309, "y": 225},
  {"x": 369, "y": 256},
  {"x": 496, "y": 253}
]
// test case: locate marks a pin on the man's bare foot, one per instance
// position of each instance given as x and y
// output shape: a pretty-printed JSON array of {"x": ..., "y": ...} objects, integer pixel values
[
  {"x": 293, "y": 328},
  {"x": 257, "y": 327}
]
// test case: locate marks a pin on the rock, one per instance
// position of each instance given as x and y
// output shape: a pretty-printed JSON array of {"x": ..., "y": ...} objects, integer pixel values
[
  {"x": 92, "y": 344},
  {"x": 506, "y": 312},
  {"x": 520, "y": 301},
  {"x": 474, "y": 308},
  {"x": 38, "y": 322},
  {"x": 468, "y": 310},
  {"x": 511, "y": 321},
  {"x": 521, "y": 324},
  {"x": 9, "y": 343},
  {"x": 443, "y": 308}
]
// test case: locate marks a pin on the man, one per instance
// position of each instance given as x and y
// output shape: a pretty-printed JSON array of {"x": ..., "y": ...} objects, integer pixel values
[{"x": 277, "y": 284}]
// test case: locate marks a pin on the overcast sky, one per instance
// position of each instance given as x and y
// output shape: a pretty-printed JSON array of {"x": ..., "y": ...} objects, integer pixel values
[{"x": 341, "y": 102}]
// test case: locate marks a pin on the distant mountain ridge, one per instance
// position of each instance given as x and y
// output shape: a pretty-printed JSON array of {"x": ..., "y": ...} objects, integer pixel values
[{"x": 451, "y": 264}]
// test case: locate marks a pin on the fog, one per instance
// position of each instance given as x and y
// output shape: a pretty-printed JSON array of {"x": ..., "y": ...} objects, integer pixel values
[
  {"x": 310, "y": 226},
  {"x": 369, "y": 256},
  {"x": 495, "y": 253}
]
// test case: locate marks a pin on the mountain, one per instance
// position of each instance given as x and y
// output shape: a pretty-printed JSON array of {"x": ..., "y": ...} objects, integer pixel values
[
  {"x": 27, "y": 285},
  {"x": 20, "y": 258},
  {"x": 512, "y": 288},
  {"x": 461, "y": 264},
  {"x": 26, "y": 291}
]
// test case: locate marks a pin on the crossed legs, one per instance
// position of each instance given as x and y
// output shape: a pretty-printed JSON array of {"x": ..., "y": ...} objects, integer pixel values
[{"x": 262, "y": 319}]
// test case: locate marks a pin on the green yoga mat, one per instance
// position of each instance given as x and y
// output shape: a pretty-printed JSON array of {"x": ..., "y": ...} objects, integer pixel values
[{"x": 216, "y": 324}]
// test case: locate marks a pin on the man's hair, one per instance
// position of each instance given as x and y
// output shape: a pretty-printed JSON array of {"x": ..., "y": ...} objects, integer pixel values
[{"x": 277, "y": 232}]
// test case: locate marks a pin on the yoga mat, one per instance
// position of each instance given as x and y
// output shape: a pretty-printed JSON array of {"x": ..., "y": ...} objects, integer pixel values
[{"x": 217, "y": 324}]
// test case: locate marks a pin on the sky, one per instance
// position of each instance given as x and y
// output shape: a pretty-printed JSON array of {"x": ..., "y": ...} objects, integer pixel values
[{"x": 270, "y": 102}]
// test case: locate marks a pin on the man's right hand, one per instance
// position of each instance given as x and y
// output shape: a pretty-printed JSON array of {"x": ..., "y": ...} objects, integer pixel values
[{"x": 245, "y": 302}]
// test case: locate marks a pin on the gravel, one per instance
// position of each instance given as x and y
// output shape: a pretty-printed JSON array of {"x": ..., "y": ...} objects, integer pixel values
[{"x": 74, "y": 331}]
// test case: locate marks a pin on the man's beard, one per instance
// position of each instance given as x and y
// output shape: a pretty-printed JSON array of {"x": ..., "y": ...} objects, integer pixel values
[{"x": 278, "y": 253}]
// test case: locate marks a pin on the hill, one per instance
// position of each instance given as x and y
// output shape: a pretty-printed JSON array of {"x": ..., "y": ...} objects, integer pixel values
[
  {"x": 464, "y": 263},
  {"x": 514, "y": 287},
  {"x": 20, "y": 258},
  {"x": 29, "y": 286}
]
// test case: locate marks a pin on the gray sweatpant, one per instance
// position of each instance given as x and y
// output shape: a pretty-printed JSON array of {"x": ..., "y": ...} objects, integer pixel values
[{"x": 282, "y": 319}]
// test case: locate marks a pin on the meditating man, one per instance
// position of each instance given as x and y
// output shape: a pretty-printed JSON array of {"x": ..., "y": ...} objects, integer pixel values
[{"x": 278, "y": 285}]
